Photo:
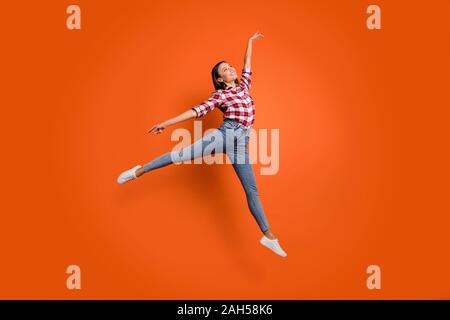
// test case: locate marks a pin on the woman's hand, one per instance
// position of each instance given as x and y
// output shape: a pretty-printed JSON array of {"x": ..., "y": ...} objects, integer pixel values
[
  {"x": 256, "y": 36},
  {"x": 157, "y": 128}
]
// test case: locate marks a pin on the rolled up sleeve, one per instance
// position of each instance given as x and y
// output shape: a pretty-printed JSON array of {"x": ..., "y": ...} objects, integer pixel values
[
  {"x": 246, "y": 78},
  {"x": 213, "y": 102}
]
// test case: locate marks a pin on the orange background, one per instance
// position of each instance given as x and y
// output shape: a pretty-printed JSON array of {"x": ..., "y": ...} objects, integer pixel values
[{"x": 364, "y": 130}]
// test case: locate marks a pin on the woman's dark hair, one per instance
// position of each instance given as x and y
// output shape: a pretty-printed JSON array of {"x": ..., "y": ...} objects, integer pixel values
[{"x": 215, "y": 75}]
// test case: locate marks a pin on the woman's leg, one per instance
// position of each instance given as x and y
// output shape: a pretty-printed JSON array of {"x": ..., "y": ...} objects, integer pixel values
[
  {"x": 191, "y": 152},
  {"x": 244, "y": 170}
]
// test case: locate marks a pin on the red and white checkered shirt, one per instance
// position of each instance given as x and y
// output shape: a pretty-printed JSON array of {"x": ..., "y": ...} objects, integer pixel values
[{"x": 235, "y": 103}]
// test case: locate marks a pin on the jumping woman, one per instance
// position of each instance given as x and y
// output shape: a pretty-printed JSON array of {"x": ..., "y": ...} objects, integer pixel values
[{"x": 232, "y": 97}]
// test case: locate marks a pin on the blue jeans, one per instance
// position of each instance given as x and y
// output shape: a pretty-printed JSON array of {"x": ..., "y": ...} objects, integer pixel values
[{"x": 231, "y": 138}]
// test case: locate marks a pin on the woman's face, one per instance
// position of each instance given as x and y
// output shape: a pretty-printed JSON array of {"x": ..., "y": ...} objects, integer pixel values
[{"x": 227, "y": 72}]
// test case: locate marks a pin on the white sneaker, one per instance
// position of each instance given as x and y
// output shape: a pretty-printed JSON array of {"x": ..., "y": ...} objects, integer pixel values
[
  {"x": 128, "y": 175},
  {"x": 273, "y": 245}
]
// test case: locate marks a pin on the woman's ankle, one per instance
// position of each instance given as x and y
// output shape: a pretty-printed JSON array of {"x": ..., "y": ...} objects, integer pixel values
[
  {"x": 140, "y": 172},
  {"x": 269, "y": 235}
]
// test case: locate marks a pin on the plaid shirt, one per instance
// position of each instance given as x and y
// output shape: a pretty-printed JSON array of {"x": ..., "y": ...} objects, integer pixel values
[{"x": 235, "y": 103}]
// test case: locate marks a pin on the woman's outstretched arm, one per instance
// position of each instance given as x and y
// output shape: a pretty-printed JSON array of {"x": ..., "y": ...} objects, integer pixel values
[
  {"x": 248, "y": 51},
  {"x": 158, "y": 128}
]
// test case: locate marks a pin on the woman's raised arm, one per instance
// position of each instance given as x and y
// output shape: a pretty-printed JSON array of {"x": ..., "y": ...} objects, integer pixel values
[{"x": 248, "y": 51}]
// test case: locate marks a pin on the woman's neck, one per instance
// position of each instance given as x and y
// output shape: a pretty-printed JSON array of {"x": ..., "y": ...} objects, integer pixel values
[{"x": 231, "y": 84}]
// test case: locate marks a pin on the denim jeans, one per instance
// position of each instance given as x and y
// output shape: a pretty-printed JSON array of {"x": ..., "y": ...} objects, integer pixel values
[{"x": 231, "y": 138}]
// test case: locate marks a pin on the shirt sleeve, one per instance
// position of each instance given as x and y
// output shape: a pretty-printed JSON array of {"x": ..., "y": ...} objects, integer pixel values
[
  {"x": 246, "y": 78},
  {"x": 213, "y": 102}
]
